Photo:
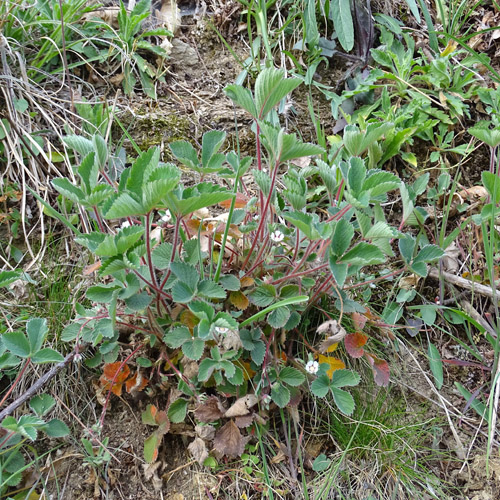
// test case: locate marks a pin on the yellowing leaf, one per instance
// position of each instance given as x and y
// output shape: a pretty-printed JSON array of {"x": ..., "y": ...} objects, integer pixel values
[
  {"x": 334, "y": 363},
  {"x": 239, "y": 300},
  {"x": 246, "y": 282},
  {"x": 187, "y": 318},
  {"x": 332, "y": 348}
]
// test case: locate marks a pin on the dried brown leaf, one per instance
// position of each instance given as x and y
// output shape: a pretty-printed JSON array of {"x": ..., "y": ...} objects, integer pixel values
[
  {"x": 229, "y": 440},
  {"x": 198, "y": 449},
  {"x": 242, "y": 406},
  {"x": 244, "y": 421},
  {"x": 210, "y": 410}
]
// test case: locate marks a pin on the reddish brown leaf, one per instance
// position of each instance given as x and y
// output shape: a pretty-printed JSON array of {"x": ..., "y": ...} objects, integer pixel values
[
  {"x": 188, "y": 319},
  {"x": 246, "y": 281},
  {"x": 359, "y": 320},
  {"x": 91, "y": 268},
  {"x": 112, "y": 379},
  {"x": 354, "y": 343},
  {"x": 381, "y": 371},
  {"x": 136, "y": 383},
  {"x": 241, "y": 202},
  {"x": 244, "y": 421},
  {"x": 239, "y": 300},
  {"x": 110, "y": 371},
  {"x": 210, "y": 410},
  {"x": 229, "y": 441}
]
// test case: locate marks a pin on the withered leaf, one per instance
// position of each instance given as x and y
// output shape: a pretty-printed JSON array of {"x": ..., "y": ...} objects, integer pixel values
[
  {"x": 229, "y": 440},
  {"x": 239, "y": 300},
  {"x": 198, "y": 449},
  {"x": 244, "y": 421},
  {"x": 206, "y": 432},
  {"x": 331, "y": 327},
  {"x": 210, "y": 410},
  {"x": 242, "y": 406}
]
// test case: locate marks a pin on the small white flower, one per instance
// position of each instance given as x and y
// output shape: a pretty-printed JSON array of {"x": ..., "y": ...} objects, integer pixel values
[
  {"x": 221, "y": 330},
  {"x": 125, "y": 224},
  {"x": 256, "y": 217},
  {"x": 312, "y": 367},
  {"x": 277, "y": 236},
  {"x": 77, "y": 358},
  {"x": 167, "y": 217}
]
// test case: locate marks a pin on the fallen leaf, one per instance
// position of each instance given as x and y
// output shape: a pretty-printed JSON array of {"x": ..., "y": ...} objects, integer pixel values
[
  {"x": 409, "y": 282},
  {"x": 239, "y": 300},
  {"x": 359, "y": 320},
  {"x": 241, "y": 202},
  {"x": 198, "y": 450},
  {"x": 112, "y": 379},
  {"x": 136, "y": 383},
  {"x": 206, "y": 432},
  {"x": 331, "y": 327},
  {"x": 334, "y": 364},
  {"x": 244, "y": 421},
  {"x": 229, "y": 440},
  {"x": 242, "y": 406},
  {"x": 210, "y": 410},
  {"x": 231, "y": 340},
  {"x": 354, "y": 343},
  {"x": 381, "y": 371}
]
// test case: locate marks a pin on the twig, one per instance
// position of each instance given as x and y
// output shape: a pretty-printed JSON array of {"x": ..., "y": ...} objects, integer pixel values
[
  {"x": 487, "y": 291},
  {"x": 37, "y": 386}
]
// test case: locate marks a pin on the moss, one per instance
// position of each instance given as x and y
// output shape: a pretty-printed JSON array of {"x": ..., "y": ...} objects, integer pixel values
[{"x": 153, "y": 129}]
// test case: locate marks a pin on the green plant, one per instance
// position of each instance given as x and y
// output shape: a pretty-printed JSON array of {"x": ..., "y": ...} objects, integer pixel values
[{"x": 218, "y": 294}]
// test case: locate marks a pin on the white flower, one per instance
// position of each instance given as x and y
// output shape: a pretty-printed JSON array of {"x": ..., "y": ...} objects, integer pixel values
[
  {"x": 125, "y": 224},
  {"x": 167, "y": 217},
  {"x": 77, "y": 357},
  {"x": 221, "y": 330},
  {"x": 277, "y": 236},
  {"x": 312, "y": 367},
  {"x": 256, "y": 217}
]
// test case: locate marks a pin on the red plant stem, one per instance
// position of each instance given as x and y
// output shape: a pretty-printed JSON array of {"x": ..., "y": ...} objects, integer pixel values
[
  {"x": 99, "y": 220},
  {"x": 258, "y": 261},
  {"x": 105, "y": 407},
  {"x": 296, "y": 275},
  {"x": 337, "y": 196},
  {"x": 320, "y": 289},
  {"x": 380, "y": 278},
  {"x": 264, "y": 213},
  {"x": 259, "y": 161},
  {"x": 19, "y": 375},
  {"x": 151, "y": 285},
  {"x": 177, "y": 372},
  {"x": 6, "y": 440},
  {"x": 174, "y": 246}
]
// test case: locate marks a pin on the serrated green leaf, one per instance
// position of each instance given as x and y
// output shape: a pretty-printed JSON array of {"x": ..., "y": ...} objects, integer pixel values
[
  {"x": 270, "y": 87},
  {"x": 263, "y": 295},
  {"x": 185, "y": 273},
  {"x": 342, "y": 237},
  {"x": 193, "y": 348},
  {"x": 280, "y": 395},
  {"x": 102, "y": 293},
  {"x": 17, "y": 343},
  {"x": 36, "y": 329},
  {"x": 206, "y": 368},
  {"x": 242, "y": 97},
  {"x": 150, "y": 447},
  {"x": 258, "y": 352},
  {"x": 230, "y": 282},
  {"x": 177, "y": 411},
  {"x": 278, "y": 317},
  {"x": 81, "y": 145},
  {"x": 321, "y": 463},
  {"x": 42, "y": 404},
  {"x": 343, "y": 400},
  {"x": 125, "y": 205},
  {"x": 47, "y": 355},
  {"x": 70, "y": 191},
  {"x": 176, "y": 337},
  {"x": 8, "y": 277},
  {"x": 291, "y": 376},
  {"x": 210, "y": 145},
  {"x": 341, "y": 378},
  {"x": 56, "y": 428},
  {"x": 428, "y": 253},
  {"x": 185, "y": 153},
  {"x": 162, "y": 255},
  {"x": 211, "y": 290},
  {"x": 321, "y": 386},
  {"x": 363, "y": 254}
]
